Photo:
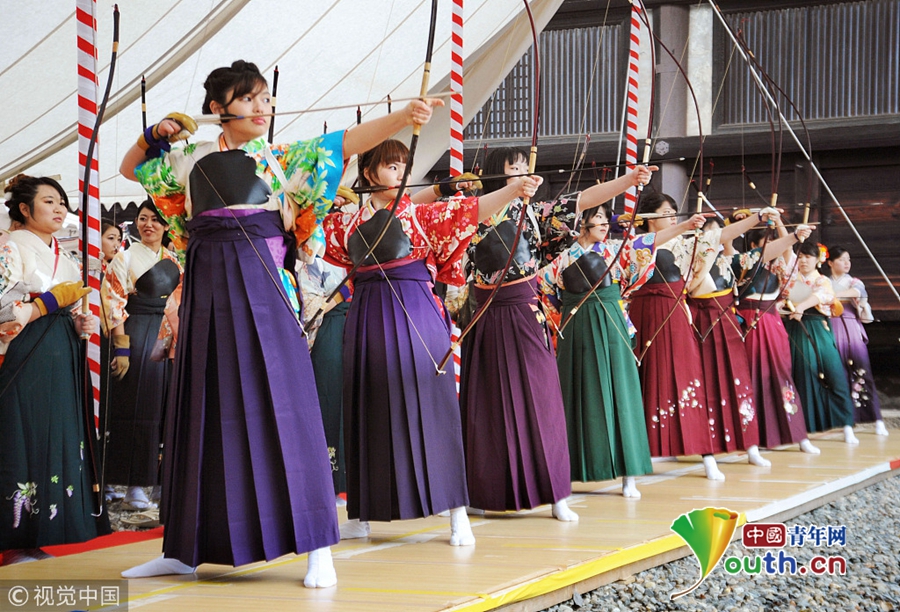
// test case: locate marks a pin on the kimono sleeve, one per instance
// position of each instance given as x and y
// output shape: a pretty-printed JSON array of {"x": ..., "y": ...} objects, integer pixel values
[
  {"x": 556, "y": 220},
  {"x": 448, "y": 228},
  {"x": 313, "y": 169},
  {"x": 741, "y": 263},
  {"x": 787, "y": 275},
  {"x": 700, "y": 260},
  {"x": 549, "y": 280},
  {"x": 13, "y": 308},
  {"x": 114, "y": 291},
  {"x": 857, "y": 284},
  {"x": 164, "y": 179},
  {"x": 637, "y": 263},
  {"x": 823, "y": 290},
  {"x": 779, "y": 268},
  {"x": 335, "y": 227}
]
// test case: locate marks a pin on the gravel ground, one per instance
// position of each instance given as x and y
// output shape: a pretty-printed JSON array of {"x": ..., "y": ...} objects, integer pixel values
[{"x": 872, "y": 581}]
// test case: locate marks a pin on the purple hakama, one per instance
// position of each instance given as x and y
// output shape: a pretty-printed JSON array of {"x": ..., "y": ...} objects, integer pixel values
[
  {"x": 246, "y": 475},
  {"x": 851, "y": 340},
  {"x": 778, "y": 406},
  {"x": 401, "y": 420},
  {"x": 516, "y": 445}
]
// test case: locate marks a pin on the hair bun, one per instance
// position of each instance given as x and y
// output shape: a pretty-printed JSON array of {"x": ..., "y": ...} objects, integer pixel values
[
  {"x": 243, "y": 66},
  {"x": 11, "y": 183},
  {"x": 241, "y": 77}
]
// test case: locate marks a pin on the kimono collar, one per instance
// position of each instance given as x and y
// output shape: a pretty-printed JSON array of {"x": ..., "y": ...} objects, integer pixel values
[
  {"x": 157, "y": 254},
  {"x": 47, "y": 253}
]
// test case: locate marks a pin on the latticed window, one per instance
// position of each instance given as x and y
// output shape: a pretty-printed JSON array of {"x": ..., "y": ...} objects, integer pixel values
[
  {"x": 582, "y": 85},
  {"x": 833, "y": 61}
]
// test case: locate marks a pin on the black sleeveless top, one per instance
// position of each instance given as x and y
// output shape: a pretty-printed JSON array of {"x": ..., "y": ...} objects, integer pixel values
[
  {"x": 226, "y": 178},
  {"x": 666, "y": 271},
  {"x": 585, "y": 272},
  {"x": 153, "y": 288},
  {"x": 395, "y": 244}
]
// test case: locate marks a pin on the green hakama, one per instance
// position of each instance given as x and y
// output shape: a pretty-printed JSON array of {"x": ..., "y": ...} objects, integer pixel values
[
  {"x": 601, "y": 391},
  {"x": 45, "y": 483},
  {"x": 818, "y": 372}
]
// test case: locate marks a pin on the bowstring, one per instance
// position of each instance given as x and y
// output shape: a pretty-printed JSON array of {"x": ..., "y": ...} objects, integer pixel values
[
  {"x": 627, "y": 341},
  {"x": 282, "y": 290}
]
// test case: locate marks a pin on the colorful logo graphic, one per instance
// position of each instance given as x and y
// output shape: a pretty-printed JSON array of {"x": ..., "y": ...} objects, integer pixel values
[{"x": 708, "y": 532}]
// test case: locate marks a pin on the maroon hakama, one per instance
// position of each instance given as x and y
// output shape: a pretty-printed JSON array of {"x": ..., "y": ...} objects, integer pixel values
[
  {"x": 726, "y": 370},
  {"x": 778, "y": 406},
  {"x": 678, "y": 419}
]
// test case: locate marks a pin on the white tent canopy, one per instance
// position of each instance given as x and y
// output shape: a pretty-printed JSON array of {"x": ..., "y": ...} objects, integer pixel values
[{"x": 329, "y": 53}]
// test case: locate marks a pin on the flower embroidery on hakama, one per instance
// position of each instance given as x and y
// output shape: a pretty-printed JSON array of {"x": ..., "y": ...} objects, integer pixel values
[{"x": 24, "y": 498}]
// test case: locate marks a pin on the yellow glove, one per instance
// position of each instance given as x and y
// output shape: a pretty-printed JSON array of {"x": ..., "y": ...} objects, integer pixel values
[
  {"x": 738, "y": 215},
  {"x": 187, "y": 123},
  {"x": 121, "y": 355},
  {"x": 449, "y": 186},
  {"x": 348, "y": 194},
  {"x": 60, "y": 296},
  {"x": 152, "y": 140},
  {"x": 468, "y": 177},
  {"x": 625, "y": 218}
]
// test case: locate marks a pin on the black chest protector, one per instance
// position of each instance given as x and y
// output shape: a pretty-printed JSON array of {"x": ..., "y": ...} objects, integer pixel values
[
  {"x": 226, "y": 178},
  {"x": 492, "y": 252},
  {"x": 762, "y": 283},
  {"x": 394, "y": 245},
  {"x": 722, "y": 282},
  {"x": 585, "y": 272},
  {"x": 159, "y": 281},
  {"x": 666, "y": 271}
]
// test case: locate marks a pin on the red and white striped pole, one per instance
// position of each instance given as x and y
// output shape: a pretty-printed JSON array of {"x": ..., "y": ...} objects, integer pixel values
[
  {"x": 456, "y": 86},
  {"x": 631, "y": 110},
  {"x": 88, "y": 94},
  {"x": 457, "y": 354},
  {"x": 456, "y": 133}
]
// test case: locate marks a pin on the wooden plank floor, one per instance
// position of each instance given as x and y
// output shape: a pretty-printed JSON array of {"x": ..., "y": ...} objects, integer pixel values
[{"x": 526, "y": 556}]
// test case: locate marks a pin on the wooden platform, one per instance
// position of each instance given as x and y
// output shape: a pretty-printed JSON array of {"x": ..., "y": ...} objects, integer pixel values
[{"x": 524, "y": 561}]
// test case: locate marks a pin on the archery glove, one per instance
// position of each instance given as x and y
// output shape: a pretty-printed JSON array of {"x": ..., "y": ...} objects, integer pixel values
[
  {"x": 60, "y": 296},
  {"x": 448, "y": 187},
  {"x": 122, "y": 355},
  {"x": 155, "y": 144}
]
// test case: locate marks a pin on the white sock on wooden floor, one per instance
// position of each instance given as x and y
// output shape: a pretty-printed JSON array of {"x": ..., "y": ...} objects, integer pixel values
[
  {"x": 712, "y": 469},
  {"x": 460, "y": 528},
  {"x": 320, "y": 572},
  {"x": 159, "y": 567}
]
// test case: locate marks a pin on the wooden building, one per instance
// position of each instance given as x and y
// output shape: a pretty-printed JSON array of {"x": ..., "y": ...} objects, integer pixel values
[{"x": 835, "y": 65}]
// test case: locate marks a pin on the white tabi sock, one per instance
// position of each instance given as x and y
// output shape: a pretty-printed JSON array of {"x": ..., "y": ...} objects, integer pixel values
[
  {"x": 355, "y": 528},
  {"x": 712, "y": 469},
  {"x": 159, "y": 567},
  {"x": 849, "y": 436},
  {"x": 320, "y": 572},
  {"x": 562, "y": 512},
  {"x": 755, "y": 458},
  {"x": 460, "y": 529},
  {"x": 807, "y": 447},
  {"x": 629, "y": 488}
]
